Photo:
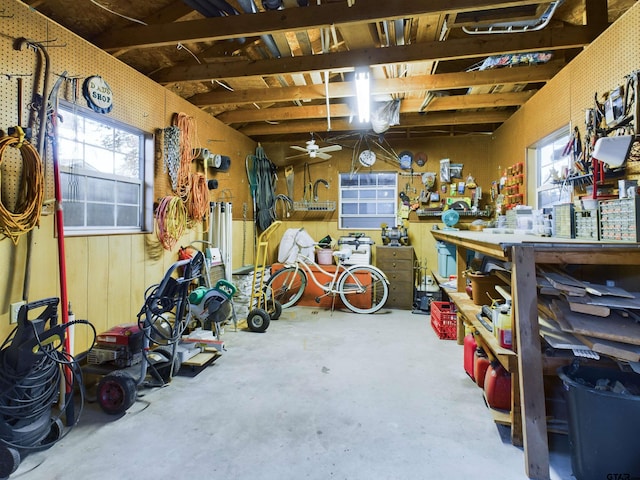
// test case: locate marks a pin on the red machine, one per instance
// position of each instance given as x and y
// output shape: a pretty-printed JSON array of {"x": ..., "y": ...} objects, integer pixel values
[{"x": 121, "y": 346}]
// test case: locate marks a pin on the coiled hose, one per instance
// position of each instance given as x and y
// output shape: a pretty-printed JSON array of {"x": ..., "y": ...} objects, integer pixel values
[
  {"x": 27, "y": 396},
  {"x": 26, "y": 214}
]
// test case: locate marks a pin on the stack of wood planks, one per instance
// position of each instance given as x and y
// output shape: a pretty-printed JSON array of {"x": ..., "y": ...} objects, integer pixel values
[{"x": 602, "y": 318}]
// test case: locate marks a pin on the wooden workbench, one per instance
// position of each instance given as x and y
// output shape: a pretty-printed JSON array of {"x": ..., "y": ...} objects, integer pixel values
[{"x": 524, "y": 252}]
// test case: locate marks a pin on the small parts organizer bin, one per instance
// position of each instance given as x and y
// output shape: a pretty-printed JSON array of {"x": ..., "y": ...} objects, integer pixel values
[
  {"x": 586, "y": 223},
  {"x": 619, "y": 219},
  {"x": 444, "y": 320},
  {"x": 563, "y": 221}
]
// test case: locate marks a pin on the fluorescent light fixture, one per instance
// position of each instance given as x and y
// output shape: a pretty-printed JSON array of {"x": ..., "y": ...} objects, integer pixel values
[{"x": 362, "y": 93}]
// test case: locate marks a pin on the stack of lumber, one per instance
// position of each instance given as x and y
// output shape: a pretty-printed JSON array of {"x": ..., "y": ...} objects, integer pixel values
[{"x": 602, "y": 318}]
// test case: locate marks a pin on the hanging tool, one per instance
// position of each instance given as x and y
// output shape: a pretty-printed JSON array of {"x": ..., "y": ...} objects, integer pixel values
[
  {"x": 308, "y": 185},
  {"x": 315, "y": 187},
  {"x": 43, "y": 58},
  {"x": 288, "y": 175}
]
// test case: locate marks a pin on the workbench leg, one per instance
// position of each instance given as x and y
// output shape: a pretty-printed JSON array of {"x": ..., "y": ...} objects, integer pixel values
[
  {"x": 532, "y": 399},
  {"x": 516, "y": 411},
  {"x": 461, "y": 266}
]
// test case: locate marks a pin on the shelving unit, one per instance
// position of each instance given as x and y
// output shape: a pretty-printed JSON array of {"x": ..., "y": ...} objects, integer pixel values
[{"x": 527, "y": 363}]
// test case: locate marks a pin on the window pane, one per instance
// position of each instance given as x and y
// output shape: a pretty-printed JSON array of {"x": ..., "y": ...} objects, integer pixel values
[
  {"x": 127, "y": 216},
  {"x": 387, "y": 179},
  {"x": 128, "y": 193},
  {"x": 386, "y": 194},
  {"x": 350, "y": 208},
  {"x": 347, "y": 180},
  {"x": 70, "y": 153},
  {"x": 368, "y": 194},
  {"x": 100, "y": 190},
  {"x": 71, "y": 126},
  {"x": 100, "y": 215},
  {"x": 98, "y": 133},
  {"x": 386, "y": 209},
  {"x": 368, "y": 208},
  {"x": 99, "y": 159},
  {"x": 126, "y": 165},
  {"x": 72, "y": 187},
  {"x": 74, "y": 214},
  {"x": 350, "y": 194}
]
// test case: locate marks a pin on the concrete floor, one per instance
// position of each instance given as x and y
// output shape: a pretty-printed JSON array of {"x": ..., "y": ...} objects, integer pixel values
[{"x": 317, "y": 396}]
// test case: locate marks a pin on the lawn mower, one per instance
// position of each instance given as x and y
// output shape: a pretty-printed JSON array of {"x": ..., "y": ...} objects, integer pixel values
[{"x": 146, "y": 353}]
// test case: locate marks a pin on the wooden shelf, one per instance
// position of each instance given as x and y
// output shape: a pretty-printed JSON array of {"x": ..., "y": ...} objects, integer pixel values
[
  {"x": 468, "y": 309},
  {"x": 529, "y": 364}
]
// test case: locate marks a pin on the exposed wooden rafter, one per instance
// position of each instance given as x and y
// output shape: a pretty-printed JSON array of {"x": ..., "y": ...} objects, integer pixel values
[
  {"x": 406, "y": 120},
  {"x": 441, "y": 81},
  {"x": 222, "y": 28},
  {"x": 550, "y": 39}
]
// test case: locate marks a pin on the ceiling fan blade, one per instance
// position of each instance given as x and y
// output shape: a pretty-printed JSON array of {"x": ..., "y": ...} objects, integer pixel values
[
  {"x": 296, "y": 147},
  {"x": 296, "y": 156},
  {"x": 330, "y": 148},
  {"x": 324, "y": 156}
]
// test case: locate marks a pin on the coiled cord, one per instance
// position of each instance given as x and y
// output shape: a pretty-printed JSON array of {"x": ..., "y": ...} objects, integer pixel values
[
  {"x": 31, "y": 191},
  {"x": 171, "y": 221},
  {"x": 26, "y": 397},
  {"x": 186, "y": 125},
  {"x": 198, "y": 202}
]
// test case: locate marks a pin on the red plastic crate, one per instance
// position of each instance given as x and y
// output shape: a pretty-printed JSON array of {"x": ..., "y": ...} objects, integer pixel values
[{"x": 444, "y": 320}]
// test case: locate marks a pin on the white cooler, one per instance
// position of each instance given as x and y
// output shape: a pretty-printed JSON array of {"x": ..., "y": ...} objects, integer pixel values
[{"x": 360, "y": 247}]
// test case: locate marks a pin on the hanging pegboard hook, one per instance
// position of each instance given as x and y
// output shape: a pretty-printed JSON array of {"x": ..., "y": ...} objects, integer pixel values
[
  {"x": 2, "y": 15},
  {"x": 11, "y": 76}
]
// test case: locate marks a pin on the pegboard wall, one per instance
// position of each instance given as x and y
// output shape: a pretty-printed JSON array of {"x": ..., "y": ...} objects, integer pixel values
[
  {"x": 599, "y": 68},
  {"x": 138, "y": 101}
]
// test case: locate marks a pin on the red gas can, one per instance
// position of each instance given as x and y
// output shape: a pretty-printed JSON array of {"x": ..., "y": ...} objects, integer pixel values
[
  {"x": 497, "y": 387},
  {"x": 481, "y": 363},
  {"x": 470, "y": 346}
]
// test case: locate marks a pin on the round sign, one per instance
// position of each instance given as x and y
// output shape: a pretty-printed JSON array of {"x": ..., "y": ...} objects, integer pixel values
[
  {"x": 367, "y": 158},
  {"x": 98, "y": 94}
]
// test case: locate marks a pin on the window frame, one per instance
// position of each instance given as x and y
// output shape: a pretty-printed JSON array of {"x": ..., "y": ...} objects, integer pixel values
[
  {"x": 557, "y": 141},
  {"x": 382, "y": 217},
  {"x": 145, "y": 177}
]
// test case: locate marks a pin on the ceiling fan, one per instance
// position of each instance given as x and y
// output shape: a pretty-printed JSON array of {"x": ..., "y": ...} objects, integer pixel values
[{"x": 314, "y": 150}]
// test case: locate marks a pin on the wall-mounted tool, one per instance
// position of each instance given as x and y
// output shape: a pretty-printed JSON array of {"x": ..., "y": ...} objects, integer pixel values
[{"x": 315, "y": 187}]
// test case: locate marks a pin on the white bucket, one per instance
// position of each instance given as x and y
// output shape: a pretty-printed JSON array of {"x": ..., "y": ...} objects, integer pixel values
[{"x": 324, "y": 256}]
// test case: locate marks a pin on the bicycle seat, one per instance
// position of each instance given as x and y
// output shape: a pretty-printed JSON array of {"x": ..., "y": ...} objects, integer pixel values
[{"x": 343, "y": 253}]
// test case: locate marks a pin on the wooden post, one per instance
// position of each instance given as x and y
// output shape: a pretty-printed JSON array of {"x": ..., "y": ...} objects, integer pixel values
[
  {"x": 532, "y": 400},
  {"x": 461, "y": 267}
]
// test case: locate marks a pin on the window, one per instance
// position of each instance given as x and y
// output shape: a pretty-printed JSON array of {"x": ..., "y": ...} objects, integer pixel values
[
  {"x": 368, "y": 199},
  {"x": 551, "y": 163},
  {"x": 103, "y": 174}
]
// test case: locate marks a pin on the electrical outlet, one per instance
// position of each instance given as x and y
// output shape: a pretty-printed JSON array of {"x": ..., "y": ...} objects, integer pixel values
[{"x": 13, "y": 313}]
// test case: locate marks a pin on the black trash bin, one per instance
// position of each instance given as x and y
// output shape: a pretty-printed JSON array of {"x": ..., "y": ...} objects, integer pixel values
[{"x": 604, "y": 425}]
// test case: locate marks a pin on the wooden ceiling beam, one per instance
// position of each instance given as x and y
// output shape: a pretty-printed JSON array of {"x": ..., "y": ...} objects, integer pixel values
[
  {"x": 406, "y": 120},
  {"x": 437, "y": 82},
  {"x": 439, "y": 104},
  {"x": 462, "y": 48},
  {"x": 248, "y": 25}
]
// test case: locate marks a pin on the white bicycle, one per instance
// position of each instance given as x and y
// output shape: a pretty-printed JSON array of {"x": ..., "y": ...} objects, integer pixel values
[{"x": 362, "y": 288}]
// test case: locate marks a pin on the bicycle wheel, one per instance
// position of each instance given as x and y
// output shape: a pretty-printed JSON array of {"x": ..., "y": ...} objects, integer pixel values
[
  {"x": 287, "y": 286},
  {"x": 363, "y": 289}
]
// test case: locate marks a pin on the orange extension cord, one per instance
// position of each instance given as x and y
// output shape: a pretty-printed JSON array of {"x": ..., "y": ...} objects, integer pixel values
[
  {"x": 30, "y": 191},
  {"x": 186, "y": 125},
  {"x": 198, "y": 202}
]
